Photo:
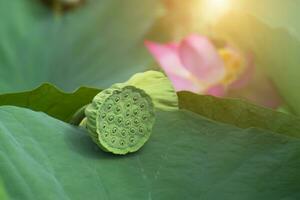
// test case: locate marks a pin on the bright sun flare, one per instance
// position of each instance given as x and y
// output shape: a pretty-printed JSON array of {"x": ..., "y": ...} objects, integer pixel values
[{"x": 213, "y": 9}]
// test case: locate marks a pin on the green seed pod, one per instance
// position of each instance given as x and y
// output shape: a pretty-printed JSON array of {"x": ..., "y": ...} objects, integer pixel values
[
  {"x": 158, "y": 87},
  {"x": 120, "y": 119}
]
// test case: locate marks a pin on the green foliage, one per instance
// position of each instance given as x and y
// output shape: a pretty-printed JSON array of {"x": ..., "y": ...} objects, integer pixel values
[
  {"x": 98, "y": 44},
  {"x": 235, "y": 150},
  {"x": 187, "y": 156},
  {"x": 201, "y": 152},
  {"x": 240, "y": 113},
  {"x": 60, "y": 105},
  {"x": 3, "y": 194},
  {"x": 50, "y": 100}
]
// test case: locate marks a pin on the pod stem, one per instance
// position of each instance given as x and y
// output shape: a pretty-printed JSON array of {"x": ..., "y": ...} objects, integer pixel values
[{"x": 78, "y": 116}]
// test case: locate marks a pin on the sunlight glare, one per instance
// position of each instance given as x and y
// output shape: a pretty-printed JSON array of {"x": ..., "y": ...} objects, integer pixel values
[{"x": 214, "y": 9}]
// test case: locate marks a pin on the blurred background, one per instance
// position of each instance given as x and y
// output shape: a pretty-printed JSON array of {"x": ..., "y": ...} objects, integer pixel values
[{"x": 96, "y": 43}]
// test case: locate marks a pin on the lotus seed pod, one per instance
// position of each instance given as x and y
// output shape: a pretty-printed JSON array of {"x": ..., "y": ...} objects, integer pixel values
[
  {"x": 120, "y": 119},
  {"x": 158, "y": 86}
]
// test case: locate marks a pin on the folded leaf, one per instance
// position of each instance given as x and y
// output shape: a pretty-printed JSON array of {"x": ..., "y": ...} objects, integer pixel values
[
  {"x": 49, "y": 99},
  {"x": 63, "y": 106},
  {"x": 240, "y": 113}
]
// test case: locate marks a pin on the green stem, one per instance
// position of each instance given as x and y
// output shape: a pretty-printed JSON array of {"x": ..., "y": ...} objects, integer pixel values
[{"x": 78, "y": 116}]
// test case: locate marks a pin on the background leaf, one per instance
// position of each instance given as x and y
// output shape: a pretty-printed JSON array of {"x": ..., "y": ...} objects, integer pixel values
[
  {"x": 97, "y": 44},
  {"x": 43, "y": 158}
]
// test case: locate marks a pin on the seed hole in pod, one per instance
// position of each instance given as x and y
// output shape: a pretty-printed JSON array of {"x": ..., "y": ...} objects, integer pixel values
[
  {"x": 136, "y": 121},
  {"x": 123, "y": 132},
  {"x": 104, "y": 126},
  {"x": 118, "y": 109},
  {"x": 109, "y": 106},
  {"x": 136, "y": 112},
  {"x": 114, "y": 130},
  {"x": 117, "y": 99},
  {"x": 144, "y": 117},
  {"x": 103, "y": 115},
  {"x": 120, "y": 120},
  {"x": 122, "y": 142},
  {"x": 142, "y": 105},
  {"x": 127, "y": 123},
  {"x": 128, "y": 105},
  {"x": 127, "y": 114},
  {"x": 135, "y": 98},
  {"x": 141, "y": 130},
  {"x": 132, "y": 130},
  {"x": 126, "y": 94},
  {"x": 132, "y": 139},
  {"x": 113, "y": 140},
  {"x": 111, "y": 118},
  {"x": 106, "y": 134}
]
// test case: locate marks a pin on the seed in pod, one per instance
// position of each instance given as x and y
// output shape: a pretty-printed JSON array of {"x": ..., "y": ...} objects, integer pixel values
[{"x": 116, "y": 119}]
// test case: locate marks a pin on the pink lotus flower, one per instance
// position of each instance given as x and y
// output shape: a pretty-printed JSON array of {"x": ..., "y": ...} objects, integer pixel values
[{"x": 195, "y": 65}]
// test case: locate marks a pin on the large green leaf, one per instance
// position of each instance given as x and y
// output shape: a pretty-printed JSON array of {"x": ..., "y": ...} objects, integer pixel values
[
  {"x": 271, "y": 30},
  {"x": 97, "y": 44},
  {"x": 187, "y": 157},
  {"x": 3, "y": 194}
]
